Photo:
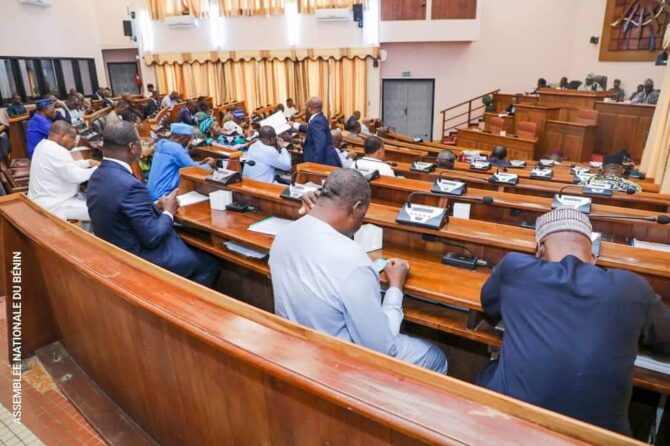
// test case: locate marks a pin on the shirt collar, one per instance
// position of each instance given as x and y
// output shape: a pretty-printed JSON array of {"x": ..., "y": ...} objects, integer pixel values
[
  {"x": 119, "y": 162},
  {"x": 313, "y": 116}
]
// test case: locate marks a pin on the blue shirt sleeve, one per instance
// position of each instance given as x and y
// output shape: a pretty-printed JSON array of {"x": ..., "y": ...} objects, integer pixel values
[
  {"x": 184, "y": 159},
  {"x": 278, "y": 160}
]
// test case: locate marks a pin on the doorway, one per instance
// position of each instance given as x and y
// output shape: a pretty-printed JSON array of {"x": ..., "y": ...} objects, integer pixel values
[
  {"x": 122, "y": 77},
  {"x": 407, "y": 105}
]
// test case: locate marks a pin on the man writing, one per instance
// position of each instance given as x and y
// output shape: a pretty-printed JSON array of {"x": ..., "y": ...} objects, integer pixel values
[
  {"x": 374, "y": 157},
  {"x": 123, "y": 213},
  {"x": 267, "y": 156},
  {"x": 322, "y": 279},
  {"x": 55, "y": 176},
  {"x": 571, "y": 328},
  {"x": 318, "y": 146},
  {"x": 170, "y": 155}
]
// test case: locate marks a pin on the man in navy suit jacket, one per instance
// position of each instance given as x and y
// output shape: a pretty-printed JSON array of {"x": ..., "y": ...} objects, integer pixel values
[
  {"x": 318, "y": 146},
  {"x": 123, "y": 213}
]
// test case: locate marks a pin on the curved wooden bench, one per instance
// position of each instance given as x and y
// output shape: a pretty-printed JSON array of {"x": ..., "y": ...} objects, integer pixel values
[{"x": 192, "y": 366}]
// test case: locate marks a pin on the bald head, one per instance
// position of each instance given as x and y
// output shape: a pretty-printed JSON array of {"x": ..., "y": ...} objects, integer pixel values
[
  {"x": 120, "y": 140},
  {"x": 314, "y": 105},
  {"x": 63, "y": 134},
  {"x": 446, "y": 159}
]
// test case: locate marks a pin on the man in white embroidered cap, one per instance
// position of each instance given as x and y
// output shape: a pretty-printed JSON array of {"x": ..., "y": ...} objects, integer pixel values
[{"x": 572, "y": 328}]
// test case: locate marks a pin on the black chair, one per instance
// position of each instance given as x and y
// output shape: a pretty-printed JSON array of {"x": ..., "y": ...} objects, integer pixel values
[{"x": 573, "y": 85}]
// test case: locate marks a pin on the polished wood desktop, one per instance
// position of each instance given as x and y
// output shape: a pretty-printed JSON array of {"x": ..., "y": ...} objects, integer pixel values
[
  {"x": 517, "y": 148},
  {"x": 202, "y": 353},
  {"x": 623, "y": 125}
]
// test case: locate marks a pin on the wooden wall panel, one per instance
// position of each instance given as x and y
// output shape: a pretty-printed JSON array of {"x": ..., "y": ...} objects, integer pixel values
[
  {"x": 623, "y": 125},
  {"x": 403, "y": 10},
  {"x": 454, "y": 9}
]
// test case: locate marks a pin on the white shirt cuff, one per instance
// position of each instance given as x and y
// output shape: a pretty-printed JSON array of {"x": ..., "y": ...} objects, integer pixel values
[
  {"x": 169, "y": 215},
  {"x": 296, "y": 126},
  {"x": 393, "y": 296}
]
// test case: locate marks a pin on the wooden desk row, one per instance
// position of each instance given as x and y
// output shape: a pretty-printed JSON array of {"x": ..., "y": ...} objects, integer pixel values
[
  {"x": 509, "y": 208},
  {"x": 641, "y": 200},
  {"x": 222, "y": 372},
  {"x": 429, "y": 278}
]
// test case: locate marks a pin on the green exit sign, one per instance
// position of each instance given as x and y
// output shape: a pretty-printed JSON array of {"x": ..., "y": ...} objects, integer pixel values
[{"x": 406, "y": 74}]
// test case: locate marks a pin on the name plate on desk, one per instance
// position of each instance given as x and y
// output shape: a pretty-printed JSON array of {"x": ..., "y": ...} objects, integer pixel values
[
  {"x": 517, "y": 164},
  {"x": 582, "y": 204},
  {"x": 419, "y": 166},
  {"x": 600, "y": 189},
  {"x": 480, "y": 165},
  {"x": 504, "y": 178},
  {"x": 449, "y": 187},
  {"x": 422, "y": 215},
  {"x": 542, "y": 174},
  {"x": 225, "y": 177},
  {"x": 548, "y": 163},
  {"x": 296, "y": 191}
]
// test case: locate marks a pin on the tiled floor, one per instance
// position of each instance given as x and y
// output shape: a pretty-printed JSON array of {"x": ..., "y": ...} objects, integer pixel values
[{"x": 47, "y": 417}]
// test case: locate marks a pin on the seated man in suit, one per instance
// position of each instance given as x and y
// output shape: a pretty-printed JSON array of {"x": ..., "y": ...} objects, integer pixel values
[
  {"x": 571, "y": 328},
  {"x": 354, "y": 131},
  {"x": 324, "y": 280},
  {"x": 123, "y": 213},
  {"x": 355, "y": 118},
  {"x": 55, "y": 176},
  {"x": 374, "y": 157},
  {"x": 446, "y": 159},
  {"x": 185, "y": 115},
  {"x": 16, "y": 108},
  {"x": 170, "y": 155},
  {"x": 318, "y": 146},
  {"x": 267, "y": 157}
]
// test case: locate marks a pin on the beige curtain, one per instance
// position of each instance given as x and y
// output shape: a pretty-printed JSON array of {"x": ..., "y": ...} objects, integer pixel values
[
  {"x": 341, "y": 84},
  {"x": 230, "y": 8},
  {"x": 656, "y": 155},
  {"x": 308, "y": 6},
  {"x": 160, "y": 9}
]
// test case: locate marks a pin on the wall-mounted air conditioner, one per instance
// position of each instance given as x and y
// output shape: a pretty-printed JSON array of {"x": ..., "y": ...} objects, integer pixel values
[
  {"x": 181, "y": 21},
  {"x": 37, "y": 2},
  {"x": 333, "y": 14}
]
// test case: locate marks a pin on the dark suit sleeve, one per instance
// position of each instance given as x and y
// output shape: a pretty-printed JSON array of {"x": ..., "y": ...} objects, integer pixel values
[
  {"x": 656, "y": 333},
  {"x": 319, "y": 141},
  {"x": 490, "y": 296},
  {"x": 303, "y": 128},
  {"x": 150, "y": 228}
]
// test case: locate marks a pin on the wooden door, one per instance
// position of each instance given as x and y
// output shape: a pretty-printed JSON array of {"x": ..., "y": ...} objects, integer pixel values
[
  {"x": 454, "y": 9},
  {"x": 403, "y": 10}
]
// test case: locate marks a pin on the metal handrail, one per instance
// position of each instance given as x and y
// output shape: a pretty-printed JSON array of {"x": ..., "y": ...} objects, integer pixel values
[{"x": 469, "y": 113}]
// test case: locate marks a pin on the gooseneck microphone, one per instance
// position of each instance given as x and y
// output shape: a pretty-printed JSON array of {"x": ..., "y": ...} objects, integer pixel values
[
  {"x": 408, "y": 202},
  {"x": 660, "y": 219}
]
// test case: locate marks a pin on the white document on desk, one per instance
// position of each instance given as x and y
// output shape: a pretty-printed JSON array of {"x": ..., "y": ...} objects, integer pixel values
[
  {"x": 270, "y": 225},
  {"x": 651, "y": 245},
  {"x": 649, "y": 363},
  {"x": 246, "y": 251},
  {"x": 190, "y": 198},
  {"x": 278, "y": 122}
]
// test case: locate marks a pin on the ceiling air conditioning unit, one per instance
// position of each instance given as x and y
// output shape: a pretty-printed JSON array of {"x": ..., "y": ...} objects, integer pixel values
[
  {"x": 37, "y": 2},
  {"x": 333, "y": 14},
  {"x": 181, "y": 21}
]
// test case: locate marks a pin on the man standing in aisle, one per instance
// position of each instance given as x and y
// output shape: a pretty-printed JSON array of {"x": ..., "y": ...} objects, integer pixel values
[{"x": 318, "y": 146}]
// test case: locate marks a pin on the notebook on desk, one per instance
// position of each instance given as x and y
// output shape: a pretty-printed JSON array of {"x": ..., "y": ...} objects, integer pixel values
[{"x": 270, "y": 225}]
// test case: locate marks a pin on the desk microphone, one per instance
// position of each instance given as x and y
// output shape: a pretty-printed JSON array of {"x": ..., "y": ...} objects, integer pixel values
[
  {"x": 431, "y": 217},
  {"x": 391, "y": 163},
  {"x": 660, "y": 219}
]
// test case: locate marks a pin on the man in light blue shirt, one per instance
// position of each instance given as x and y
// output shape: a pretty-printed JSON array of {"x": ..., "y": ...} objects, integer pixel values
[
  {"x": 322, "y": 279},
  {"x": 171, "y": 155},
  {"x": 267, "y": 157}
]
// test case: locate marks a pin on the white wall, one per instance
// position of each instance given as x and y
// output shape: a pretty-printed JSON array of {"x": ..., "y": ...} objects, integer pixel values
[
  {"x": 520, "y": 41},
  {"x": 66, "y": 29}
]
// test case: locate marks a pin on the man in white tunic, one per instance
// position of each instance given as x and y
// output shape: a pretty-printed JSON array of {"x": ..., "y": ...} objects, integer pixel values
[
  {"x": 374, "y": 157},
  {"x": 322, "y": 279},
  {"x": 55, "y": 176}
]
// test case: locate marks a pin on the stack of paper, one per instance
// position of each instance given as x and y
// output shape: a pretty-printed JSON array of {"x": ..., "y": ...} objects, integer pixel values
[
  {"x": 190, "y": 198},
  {"x": 650, "y": 245},
  {"x": 278, "y": 122},
  {"x": 270, "y": 225},
  {"x": 246, "y": 251},
  {"x": 649, "y": 363}
]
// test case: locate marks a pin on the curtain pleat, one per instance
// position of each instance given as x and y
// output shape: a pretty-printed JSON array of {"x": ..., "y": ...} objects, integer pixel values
[
  {"x": 160, "y": 9},
  {"x": 308, "y": 6},
  {"x": 341, "y": 84}
]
